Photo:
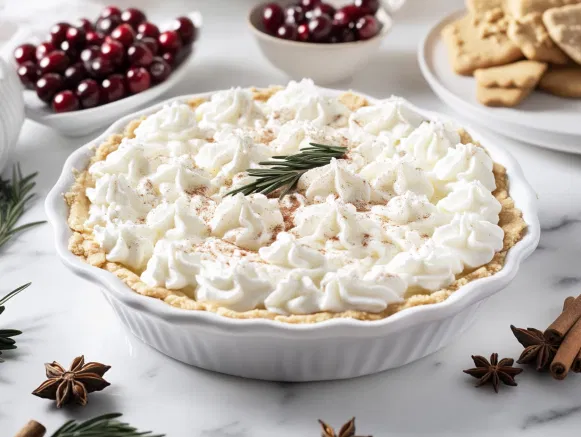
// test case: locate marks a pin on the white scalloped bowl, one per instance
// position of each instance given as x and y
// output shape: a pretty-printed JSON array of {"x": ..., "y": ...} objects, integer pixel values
[{"x": 270, "y": 350}]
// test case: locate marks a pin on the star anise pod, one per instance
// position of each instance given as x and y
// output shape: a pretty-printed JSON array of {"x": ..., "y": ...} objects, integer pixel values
[
  {"x": 494, "y": 371},
  {"x": 538, "y": 348},
  {"x": 66, "y": 386},
  {"x": 347, "y": 430}
]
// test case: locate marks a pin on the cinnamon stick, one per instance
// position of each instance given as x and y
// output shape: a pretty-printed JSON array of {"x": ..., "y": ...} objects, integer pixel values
[
  {"x": 559, "y": 328},
  {"x": 568, "y": 301},
  {"x": 32, "y": 429},
  {"x": 567, "y": 352},
  {"x": 576, "y": 367}
]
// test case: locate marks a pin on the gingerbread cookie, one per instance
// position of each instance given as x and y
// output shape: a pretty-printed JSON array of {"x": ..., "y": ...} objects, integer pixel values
[
  {"x": 507, "y": 97},
  {"x": 520, "y": 8},
  {"x": 481, "y": 6},
  {"x": 479, "y": 42},
  {"x": 562, "y": 82},
  {"x": 522, "y": 74},
  {"x": 531, "y": 36},
  {"x": 564, "y": 26}
]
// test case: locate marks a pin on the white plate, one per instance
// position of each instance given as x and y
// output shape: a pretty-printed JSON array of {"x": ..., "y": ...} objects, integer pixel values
[
  {"x": 561, "y": 142},
  {"x": 86, "y": 121},
  {"x": 541, "y": 115}
]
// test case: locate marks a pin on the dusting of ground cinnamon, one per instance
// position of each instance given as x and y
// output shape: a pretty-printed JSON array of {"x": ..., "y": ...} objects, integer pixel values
[
  {"x": 82, "y": 242},
  {"x": 288, "y": 212}
]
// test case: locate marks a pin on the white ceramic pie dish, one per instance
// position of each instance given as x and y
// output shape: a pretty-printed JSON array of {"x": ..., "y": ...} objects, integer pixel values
[{"x": 270, "y": 350}]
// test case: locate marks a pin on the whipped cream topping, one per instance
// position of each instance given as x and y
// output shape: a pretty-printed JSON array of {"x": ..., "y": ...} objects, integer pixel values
[{"x": 406, "y": 210}]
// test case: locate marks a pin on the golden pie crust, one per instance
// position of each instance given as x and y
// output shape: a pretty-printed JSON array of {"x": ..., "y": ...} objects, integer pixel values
[{"x": 85, "y": 247}]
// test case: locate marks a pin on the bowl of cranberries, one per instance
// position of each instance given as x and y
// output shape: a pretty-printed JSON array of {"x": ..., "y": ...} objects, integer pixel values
[
  {"x": 326, "y": 40},
  {"x": 86, "y": 74}
]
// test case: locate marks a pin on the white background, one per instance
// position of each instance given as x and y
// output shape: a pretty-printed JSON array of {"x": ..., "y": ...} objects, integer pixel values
[{"x": 64, "y": 316}]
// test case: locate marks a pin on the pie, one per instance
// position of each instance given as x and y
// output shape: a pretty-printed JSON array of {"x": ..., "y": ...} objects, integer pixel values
[{"x": 414, "y": 209}]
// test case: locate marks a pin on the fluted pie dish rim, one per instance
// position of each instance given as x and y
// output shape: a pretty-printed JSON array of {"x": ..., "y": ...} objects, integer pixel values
[{"x": 466, "y": 295}]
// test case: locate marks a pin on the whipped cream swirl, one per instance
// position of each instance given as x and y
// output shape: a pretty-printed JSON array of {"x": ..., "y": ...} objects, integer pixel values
[{"x": 407, "y": 209}]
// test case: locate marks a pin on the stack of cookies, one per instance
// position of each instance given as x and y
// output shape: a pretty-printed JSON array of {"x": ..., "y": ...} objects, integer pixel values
[{"x": 512, "y": 47}]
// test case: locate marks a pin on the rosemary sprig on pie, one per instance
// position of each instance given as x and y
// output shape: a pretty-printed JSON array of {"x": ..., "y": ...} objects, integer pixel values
[
  {"x": 286, "y": 170},
  {"x": 7, "y": 341},
  {"x": 15, "y": 195}
]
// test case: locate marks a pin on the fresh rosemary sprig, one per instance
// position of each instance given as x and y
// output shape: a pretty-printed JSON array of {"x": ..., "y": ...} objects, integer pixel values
[
  {"x": 6, "y": 340},
  {"x": 106, "y": 425},
  {"x": 286, "y": 170},
  {"x": 14, "y": 198}
]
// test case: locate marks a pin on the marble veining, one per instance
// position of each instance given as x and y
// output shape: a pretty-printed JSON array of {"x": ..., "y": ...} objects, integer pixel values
[
  {"x": 63, "y": 316},
  {"x": 550, "y": 416}
]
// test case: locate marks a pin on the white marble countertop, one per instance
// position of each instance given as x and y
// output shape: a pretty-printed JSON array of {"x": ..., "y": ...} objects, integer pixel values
[{"x": 64, "y": 316}]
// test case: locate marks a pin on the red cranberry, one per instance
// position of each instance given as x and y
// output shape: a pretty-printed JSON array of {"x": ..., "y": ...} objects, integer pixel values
[
  {"x": 320, "y": 28},
  {"x": 76, "y": 37},
  {"x": 48, "y": 85},
  {"x": 95, "y": 38},
  {"x": 140, "y": 55},
  {"x": 69, "y": 50},
  {"x": 323, "y": 9},
  {"x": 133, "y": 16},
  {"x": 111, "y": 11},
  {"x": 287, "y": 31},
  {"x": 58, "y": 33},
  {"x": 85, "y": 24},
  {"x": 367, "y": 27},
  {"x": 303, "y": 32},
  {"x": 25, "y": 53},
  {"x": 295, "y": 14},
  {"x": 185, "y": 29},
  {"x": 65, "y": 101},
  {"x": 169, "y": 58},
  {"x": 347, "y": 14},
  {"x": 272, "y": 17},
  {"x": 124, "y": 33},
  {"x": 44, "y": 49},
  {"x": 370, "y": 7},
  {"x": 148, "y": 29},
  {"x": 54, "y": 62},
  {"x": 138, "y": 79},
  {"x": 310, "y": 4},
  {"x": 107, "y": 25},
  {"x": 150, "y": 43},
  {"x": 74, "y": 74},
  {"x": 90, "y": 53},
  {"x": 114, "y": 87},
  {"x": 113, "y": 51},
  {"x": 346, "y": 34},
  {"x": 28, "y": 74},
  {"x": 89, "y": 93},
  {"x": 159, "y": 70},
  {"x": 169, "y": 42},
  {"x": 100, "y": 67}
]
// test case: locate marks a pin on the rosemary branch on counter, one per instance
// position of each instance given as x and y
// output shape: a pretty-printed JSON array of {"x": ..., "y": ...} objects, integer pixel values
[{"x": 15, "y": 196}]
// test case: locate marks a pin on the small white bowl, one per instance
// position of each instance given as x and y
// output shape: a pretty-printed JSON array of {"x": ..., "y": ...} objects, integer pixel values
[
  {"x": 324, "y": 63},
  {"x": 270, "y": 350},
  {"x": 11, "y": 111},
  {"x": 86, "y": 121}
]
